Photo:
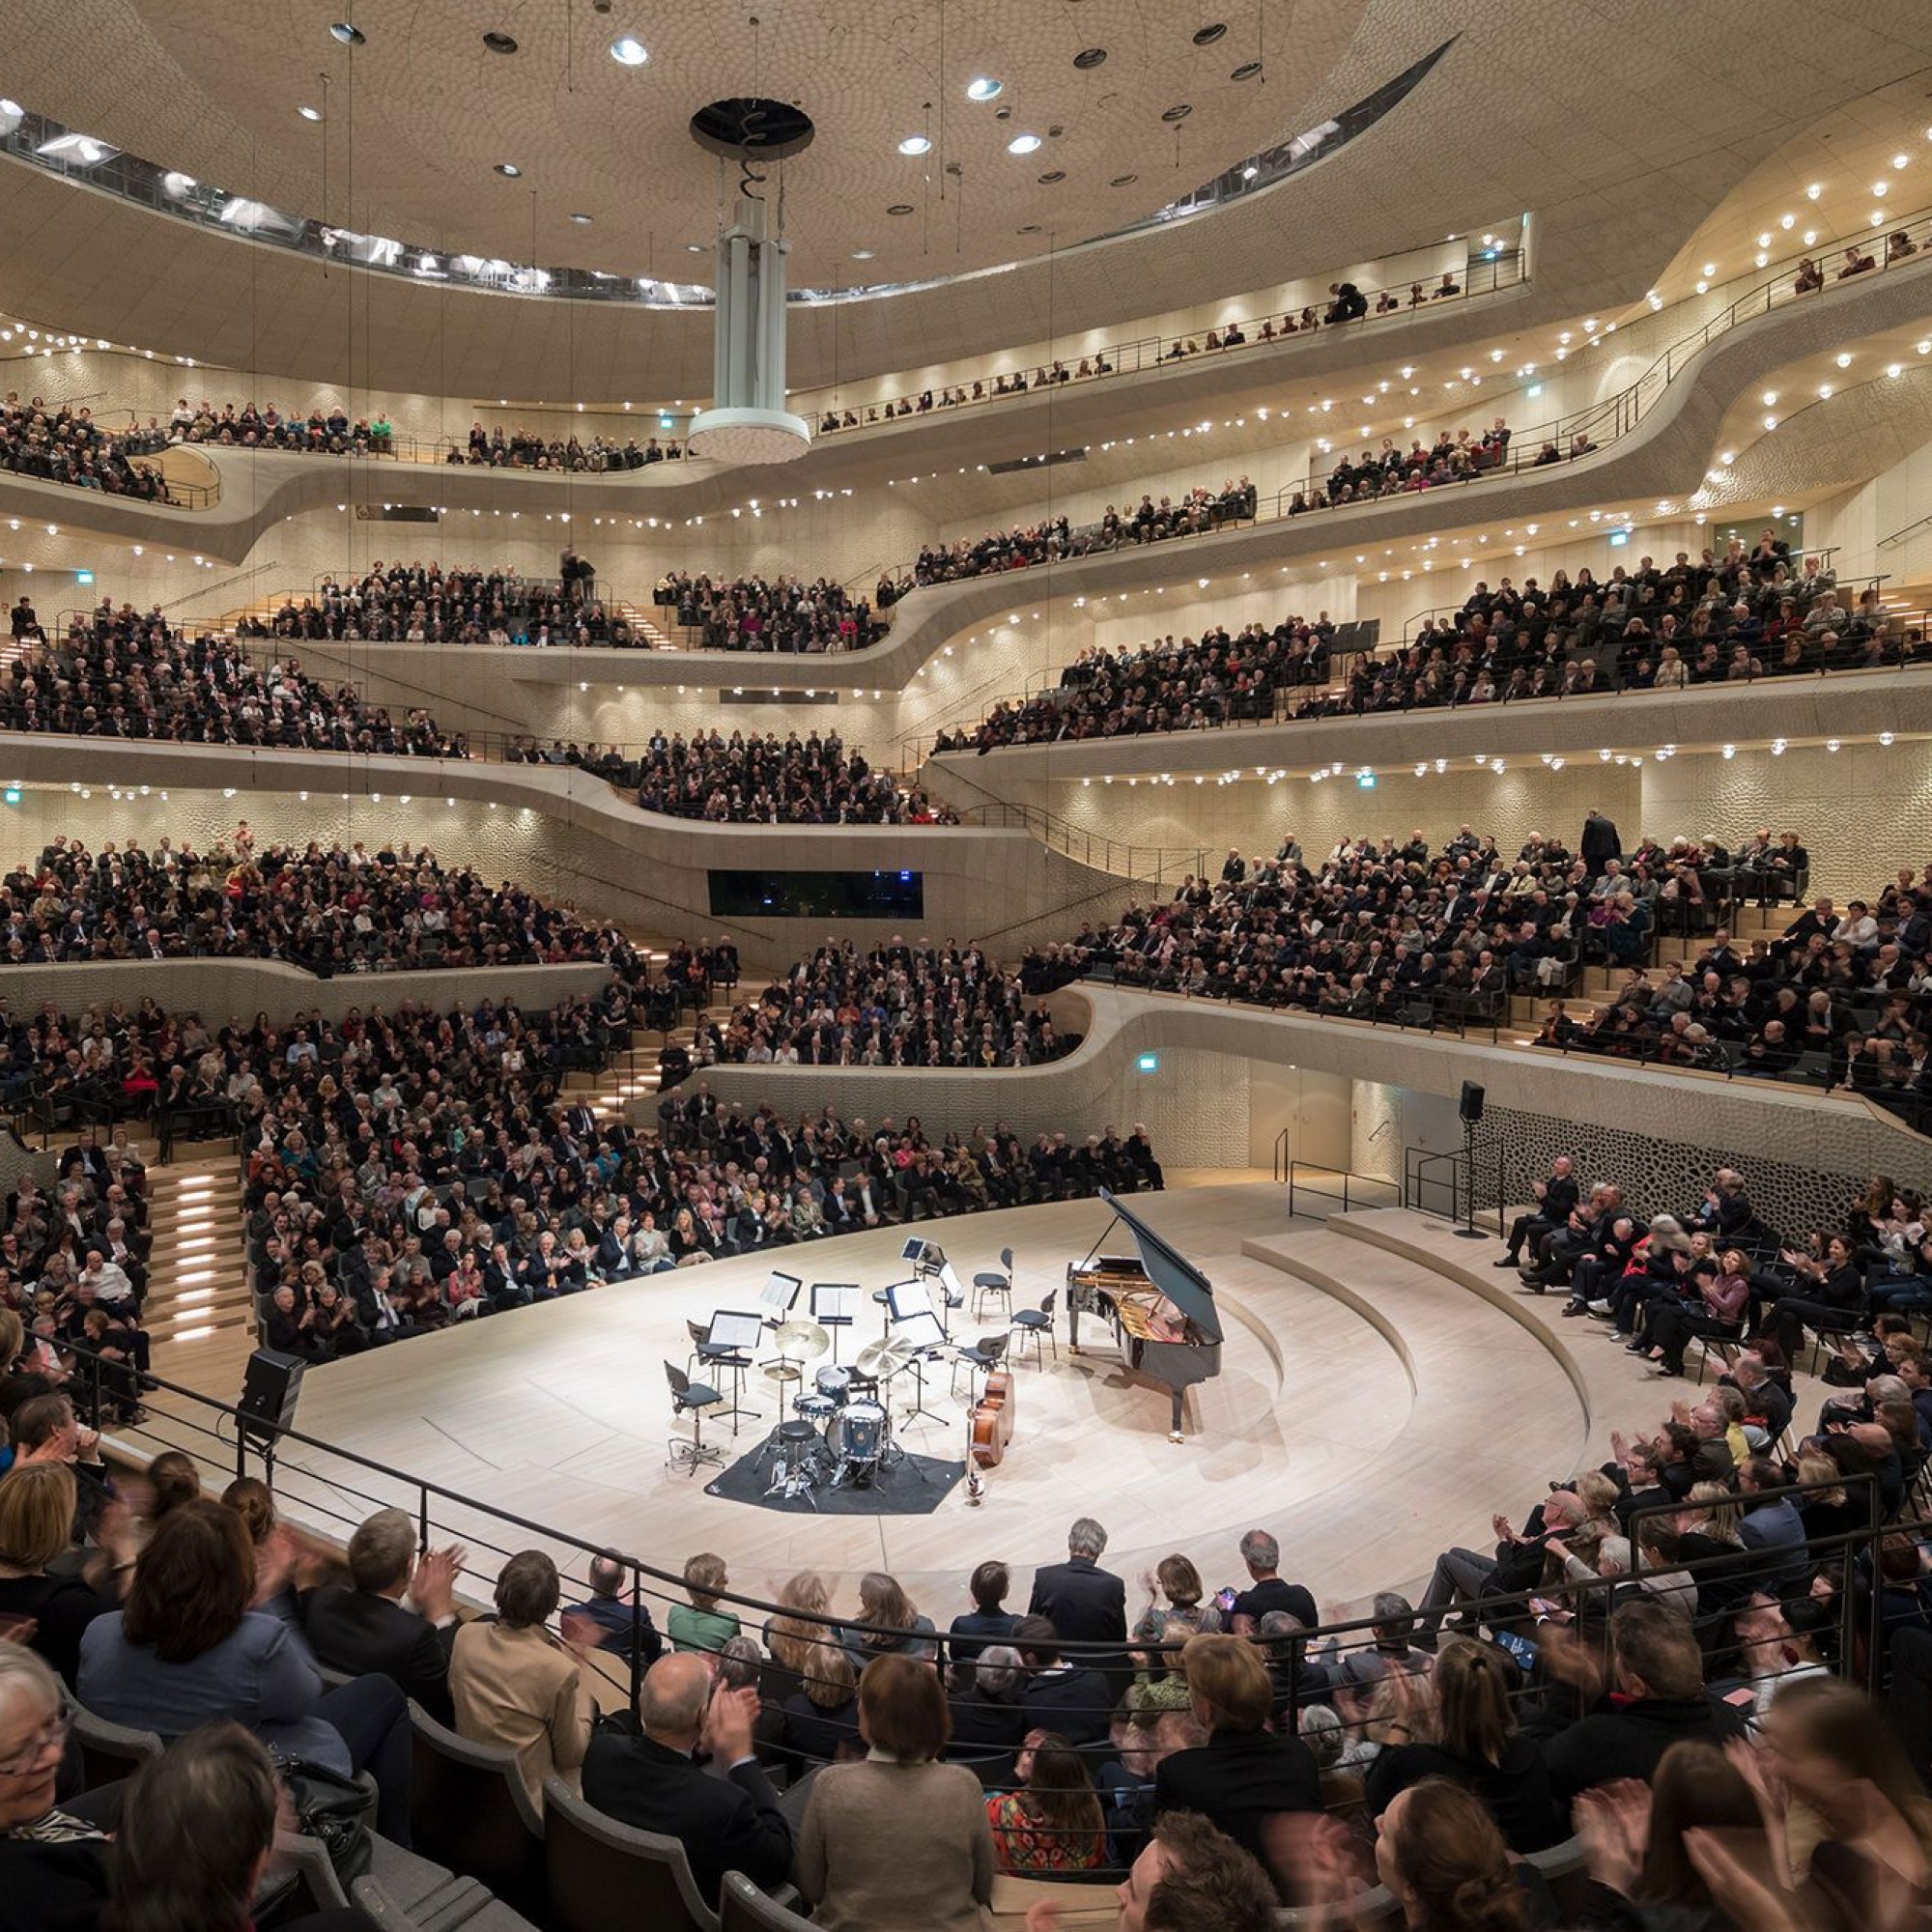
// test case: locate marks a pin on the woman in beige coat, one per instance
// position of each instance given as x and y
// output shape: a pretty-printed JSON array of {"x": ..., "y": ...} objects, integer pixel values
[{"x": 514, "y": 1684}]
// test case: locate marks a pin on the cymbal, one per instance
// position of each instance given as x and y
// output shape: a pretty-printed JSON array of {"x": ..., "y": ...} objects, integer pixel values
[
  {"x": 884, "y": 1358},
  {"x": 782, "y": 1372},
  {"x": 803, "y": 1340}
]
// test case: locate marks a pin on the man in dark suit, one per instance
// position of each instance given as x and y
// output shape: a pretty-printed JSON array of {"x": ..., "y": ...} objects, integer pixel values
[
  {"x": 1084, "y": 1603},
  {"x": 983, "y": 1696},
  {"x": 1073, "y": 1702},
  {"x": 724, "y": 1824},
  {"x": 1556, "y": 1197},
  {"x": 1244, "y": 1774},
  {"x": 366, "y": 1629},
  {"x": 1599, "y": 842},
  {"x": 617, "y": 1629}
]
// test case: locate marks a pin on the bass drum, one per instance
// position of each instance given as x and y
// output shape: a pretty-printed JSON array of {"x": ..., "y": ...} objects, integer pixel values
[{"x": 857, "y": 1438}]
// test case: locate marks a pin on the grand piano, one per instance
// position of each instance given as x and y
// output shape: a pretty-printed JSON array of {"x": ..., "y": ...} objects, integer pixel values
[{"x": 1129, "y": 1289}]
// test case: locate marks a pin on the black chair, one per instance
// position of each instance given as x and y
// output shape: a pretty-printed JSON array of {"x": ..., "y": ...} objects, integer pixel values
[
  {"x": 1036, "y": 1325},
  {"x": 601, "y": 1873},
  {"x": 991, "y": 1281},
  {"x": 693, "y": 1399},
  {"x": 469, "y": 1810},
  {"x": 980, "y": 1358}
]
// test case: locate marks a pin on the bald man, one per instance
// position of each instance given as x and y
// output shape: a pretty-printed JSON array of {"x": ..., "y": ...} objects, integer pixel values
[{"x": 729, "y": 1822}]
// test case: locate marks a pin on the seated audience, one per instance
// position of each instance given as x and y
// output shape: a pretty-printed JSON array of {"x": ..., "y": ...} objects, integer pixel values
[
  {"x": 513, "y": 1684},
  {"x": 898, "y": 1842},
  {"x": 187, "y": 1650},
  {"x": 726, "y": 1816},
  {"x": 1053, "y": 1820},
  {"x": 395, "y": 1617}
]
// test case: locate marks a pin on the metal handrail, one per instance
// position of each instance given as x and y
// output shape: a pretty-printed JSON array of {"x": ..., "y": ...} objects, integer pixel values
[
  {"x": 1346, "y": 1175},
  {"x": 1417, "y": 1180}
]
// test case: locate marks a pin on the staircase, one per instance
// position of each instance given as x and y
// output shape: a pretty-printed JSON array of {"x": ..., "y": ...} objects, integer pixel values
[
  {"x": 1592, "y": 993},
  {"x": 197, "y": 1309}
]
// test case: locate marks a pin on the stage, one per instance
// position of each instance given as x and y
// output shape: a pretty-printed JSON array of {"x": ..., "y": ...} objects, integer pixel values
[{"x": 1369, "y": 1411}]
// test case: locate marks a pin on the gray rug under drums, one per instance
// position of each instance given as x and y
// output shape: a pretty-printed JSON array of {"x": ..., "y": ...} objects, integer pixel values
[{"x": 899, "y": 1490}]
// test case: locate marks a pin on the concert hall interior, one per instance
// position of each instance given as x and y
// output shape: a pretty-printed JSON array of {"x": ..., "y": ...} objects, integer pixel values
[{"x": 1227, "y": 1223}]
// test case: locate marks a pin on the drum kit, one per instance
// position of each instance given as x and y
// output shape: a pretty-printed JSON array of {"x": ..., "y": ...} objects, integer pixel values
[{"x": 839, "y": 1434}]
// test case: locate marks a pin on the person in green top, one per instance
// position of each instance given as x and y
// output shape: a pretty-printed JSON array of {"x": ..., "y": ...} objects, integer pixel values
[{"x": 700, "y": 1624}]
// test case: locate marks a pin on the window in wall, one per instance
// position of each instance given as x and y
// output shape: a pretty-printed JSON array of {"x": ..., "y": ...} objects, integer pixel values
[{"x": 818, "y": 896}]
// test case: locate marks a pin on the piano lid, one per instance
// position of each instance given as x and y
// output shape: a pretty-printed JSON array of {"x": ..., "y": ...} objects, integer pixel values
[{"x": 1179, "y": 1280}]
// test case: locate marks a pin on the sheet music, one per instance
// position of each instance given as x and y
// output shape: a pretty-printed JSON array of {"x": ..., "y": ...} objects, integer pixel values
[
  {"x": 836, "y": 1300},
  {"x": 906, "y": 1298},
  {"x": 736, "y": 1329},
  {"x": 921, "y": 1329},
  {"x": 781, "y": 1292}
]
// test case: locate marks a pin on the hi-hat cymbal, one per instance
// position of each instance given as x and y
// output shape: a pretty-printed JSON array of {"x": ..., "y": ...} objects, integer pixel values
[
  {"x": 884, "y": 1358},
  {"x": 782, "y": 1372},
  {"x": 803, "y": 1340}
]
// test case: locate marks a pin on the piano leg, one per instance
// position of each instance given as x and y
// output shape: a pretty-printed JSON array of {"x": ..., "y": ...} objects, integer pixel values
[{"x": 1174, "y": 1434}]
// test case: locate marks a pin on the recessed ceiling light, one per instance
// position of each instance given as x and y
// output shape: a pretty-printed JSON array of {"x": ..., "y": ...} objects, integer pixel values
[
  {"x": 1123, "y": 181},
  {"x": 627, "y": 50},
  {"x": 348, "y": 32},
  {"x": 1054, "y": 175},
  {"x": 509, "y": 170},
  {"x": 899, "y": 208},
  {"x": 1032, "y": 228},
  {"x": 1247, "y": 70},
  {"x": 693, "y": 247},
  {"x": 1023, "y": 144},
  {"x": 582, "y": 220},
  {"x": 499, "y": 42},
  {"x": 1089, "y": 57},
  {"x": 1178, "y": 112},
  {"x": 916, "y": 144},
  {"x": 862, "y": 254},
  {"x": 309, "y": 113},
  {"x": 1206, "y": 36}
]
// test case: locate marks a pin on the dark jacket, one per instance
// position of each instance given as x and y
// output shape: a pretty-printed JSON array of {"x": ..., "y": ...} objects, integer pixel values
[
  {"x": 1084, "y": 1603},
  {"x": 1515, "y": 1793},
  {"x": 1239, "y": 1779},
  {"x": 1078, "y": 1704},
  {"x": 1627, "y": 1740},
  {"x": 982, "y": 1726},
  {"x": 362, "y": 1634},
  {"x": 724, "y": 1824}
]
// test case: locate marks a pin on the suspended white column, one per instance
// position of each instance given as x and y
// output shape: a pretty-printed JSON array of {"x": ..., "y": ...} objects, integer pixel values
[{"x": 747, "y": 421}]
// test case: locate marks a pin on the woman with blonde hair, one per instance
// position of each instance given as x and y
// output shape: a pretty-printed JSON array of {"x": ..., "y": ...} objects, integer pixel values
[
  {"x": 902, "y": 1632},
  {"x": 799, "y": 1636},
  {"x": 1477, "y": 1745},
  {"x": 37, "y": 1514}
]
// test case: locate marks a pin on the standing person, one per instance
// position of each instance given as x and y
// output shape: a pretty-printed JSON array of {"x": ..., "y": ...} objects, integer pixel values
[
  {"x": 899, "y": 1841},
  {"x": 1086, "y": 1605},
  {"x": 1600, "y": 844}
]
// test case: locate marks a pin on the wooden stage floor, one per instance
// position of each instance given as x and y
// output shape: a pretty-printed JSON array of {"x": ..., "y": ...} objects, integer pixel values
[{"x": 1323, "y": 1425}]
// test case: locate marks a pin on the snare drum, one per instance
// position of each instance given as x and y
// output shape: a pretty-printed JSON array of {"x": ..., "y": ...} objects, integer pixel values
[
  {"x": 832, "y": 1382},
  {"x": 858, "y": 1433},
  {"x": 816, "y": 1409}
]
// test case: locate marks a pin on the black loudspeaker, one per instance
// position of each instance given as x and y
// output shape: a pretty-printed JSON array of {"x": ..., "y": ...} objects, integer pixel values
[
  {"x": 1471, "y": 1107},
  {"x": 270, "y": 1388}
]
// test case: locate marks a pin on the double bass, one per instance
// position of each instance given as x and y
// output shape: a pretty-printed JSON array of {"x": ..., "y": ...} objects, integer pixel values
[{"x": 992, "y": 1421}]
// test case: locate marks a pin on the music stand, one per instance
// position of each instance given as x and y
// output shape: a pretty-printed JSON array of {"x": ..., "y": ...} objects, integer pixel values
[
  {"x": 729, "y": 1344},
  {"x": 923, "y": 1331},
  {"x": 777, "y": 1298},
  {"x": 835, "y": 1305}
]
